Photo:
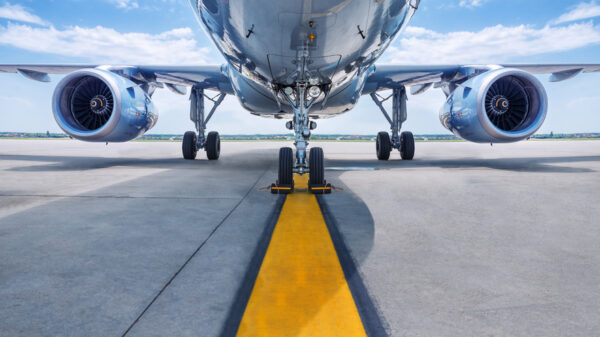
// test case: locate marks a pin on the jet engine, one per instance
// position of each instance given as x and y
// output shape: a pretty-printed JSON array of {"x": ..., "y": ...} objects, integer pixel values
[
  {"x": 96, "y": 105},
  {"x": 499, "y": 106}
]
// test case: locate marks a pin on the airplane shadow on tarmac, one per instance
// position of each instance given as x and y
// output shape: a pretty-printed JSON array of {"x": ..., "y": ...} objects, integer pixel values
[
  {"x": 352, "y": 229},
  {"x": 533, "y": 164},
  {"x": 253, "y": 160}
]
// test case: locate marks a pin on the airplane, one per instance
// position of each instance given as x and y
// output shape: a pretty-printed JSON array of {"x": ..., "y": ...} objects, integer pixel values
[{"x": 301, "y": 61}]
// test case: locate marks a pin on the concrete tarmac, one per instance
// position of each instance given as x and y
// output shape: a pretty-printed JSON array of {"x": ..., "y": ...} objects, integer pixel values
[{"x": 466, "y": 240}]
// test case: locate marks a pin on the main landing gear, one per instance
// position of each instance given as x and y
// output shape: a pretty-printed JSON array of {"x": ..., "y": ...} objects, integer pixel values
[
  {"x": 193, "y": 141},
  {"x": 405, "y": 141},
  {"x": 314, "y": 165}
]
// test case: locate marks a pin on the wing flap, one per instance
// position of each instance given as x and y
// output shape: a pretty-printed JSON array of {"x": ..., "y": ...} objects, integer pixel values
[{"x": 34, "y": 75}]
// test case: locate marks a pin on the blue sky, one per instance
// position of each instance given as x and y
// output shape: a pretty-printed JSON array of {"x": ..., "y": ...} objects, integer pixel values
[{"x": 166, "y": 32}]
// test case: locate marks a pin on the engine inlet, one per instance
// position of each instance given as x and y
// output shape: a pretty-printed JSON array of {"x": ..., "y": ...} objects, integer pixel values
[{"x": 91, "y": 103}]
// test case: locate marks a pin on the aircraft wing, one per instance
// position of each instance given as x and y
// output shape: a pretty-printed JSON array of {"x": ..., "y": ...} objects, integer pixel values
[
  {"x": 206, "y": 77},
  {"x": 421, "y": 78}
]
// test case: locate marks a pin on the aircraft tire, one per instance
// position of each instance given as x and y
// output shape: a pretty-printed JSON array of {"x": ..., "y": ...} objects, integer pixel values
[
  {"x": 286, "y": 166},
  {"x": 383, "y": 146},
  {"x": 213, "y": 145},
  {"x": 189, "y": 145},
  {"x": 407, "y": 145},
  {"x": 316, "y": 165}
]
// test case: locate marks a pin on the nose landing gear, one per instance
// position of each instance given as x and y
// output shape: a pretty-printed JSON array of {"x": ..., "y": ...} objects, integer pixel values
[
  {"x": 314, "y": 166},
  {"x": 316, "y": 172}
]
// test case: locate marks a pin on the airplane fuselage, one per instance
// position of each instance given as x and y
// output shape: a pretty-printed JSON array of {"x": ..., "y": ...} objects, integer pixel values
[{"x": 272, "y": 44}]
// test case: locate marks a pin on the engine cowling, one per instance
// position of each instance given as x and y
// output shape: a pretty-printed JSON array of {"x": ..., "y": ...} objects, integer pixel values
[
  {"x": 96, "y": 105},
  {"x": 500, "y": 106}
]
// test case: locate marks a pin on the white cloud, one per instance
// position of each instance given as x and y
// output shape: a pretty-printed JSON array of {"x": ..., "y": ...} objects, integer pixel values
[
  {"x": 582, "y": 11},
  {"x": 126, "y": 4},
  {"x": 18, "y": 13},
  {"x": 471, "y": 3},
  {"x": 107, "y": 46},
  {"x": 155, "y": 5},
  {"x": 491, "y": 45}
]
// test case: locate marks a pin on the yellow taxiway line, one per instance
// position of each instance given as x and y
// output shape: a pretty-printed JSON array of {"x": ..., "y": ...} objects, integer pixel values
[{"x": 301, "y": 289}]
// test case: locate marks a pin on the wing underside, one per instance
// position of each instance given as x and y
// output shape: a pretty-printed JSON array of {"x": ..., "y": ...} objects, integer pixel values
[
  {"x": 420, "y": 78},
  {"x": 207, "y": 77}
]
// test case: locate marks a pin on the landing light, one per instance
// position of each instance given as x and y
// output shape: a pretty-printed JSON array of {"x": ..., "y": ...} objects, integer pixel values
[{"x": 314, "y": 91}]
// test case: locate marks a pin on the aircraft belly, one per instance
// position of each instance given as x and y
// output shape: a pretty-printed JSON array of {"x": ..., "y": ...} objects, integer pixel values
[
  {"x": 269, "y": 39},
  {"x": 262, "y": 39}
]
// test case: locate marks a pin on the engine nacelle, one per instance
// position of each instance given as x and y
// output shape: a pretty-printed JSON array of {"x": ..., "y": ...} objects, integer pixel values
[
  {"x": 499, "y": 106},
  {"x": 96, "y": 105}
]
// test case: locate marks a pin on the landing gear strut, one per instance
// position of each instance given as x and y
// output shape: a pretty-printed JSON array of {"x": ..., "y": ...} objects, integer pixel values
[
  {"x": 313, "y": 164},
  {"x": 405, "y": 141},
  {"x": 193, "y": 141}
]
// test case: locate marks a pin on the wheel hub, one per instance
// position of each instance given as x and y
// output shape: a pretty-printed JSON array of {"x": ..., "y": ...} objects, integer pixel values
[
  {"x": 99, "y": 105},
  {"x": 499, "y": 105}
]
